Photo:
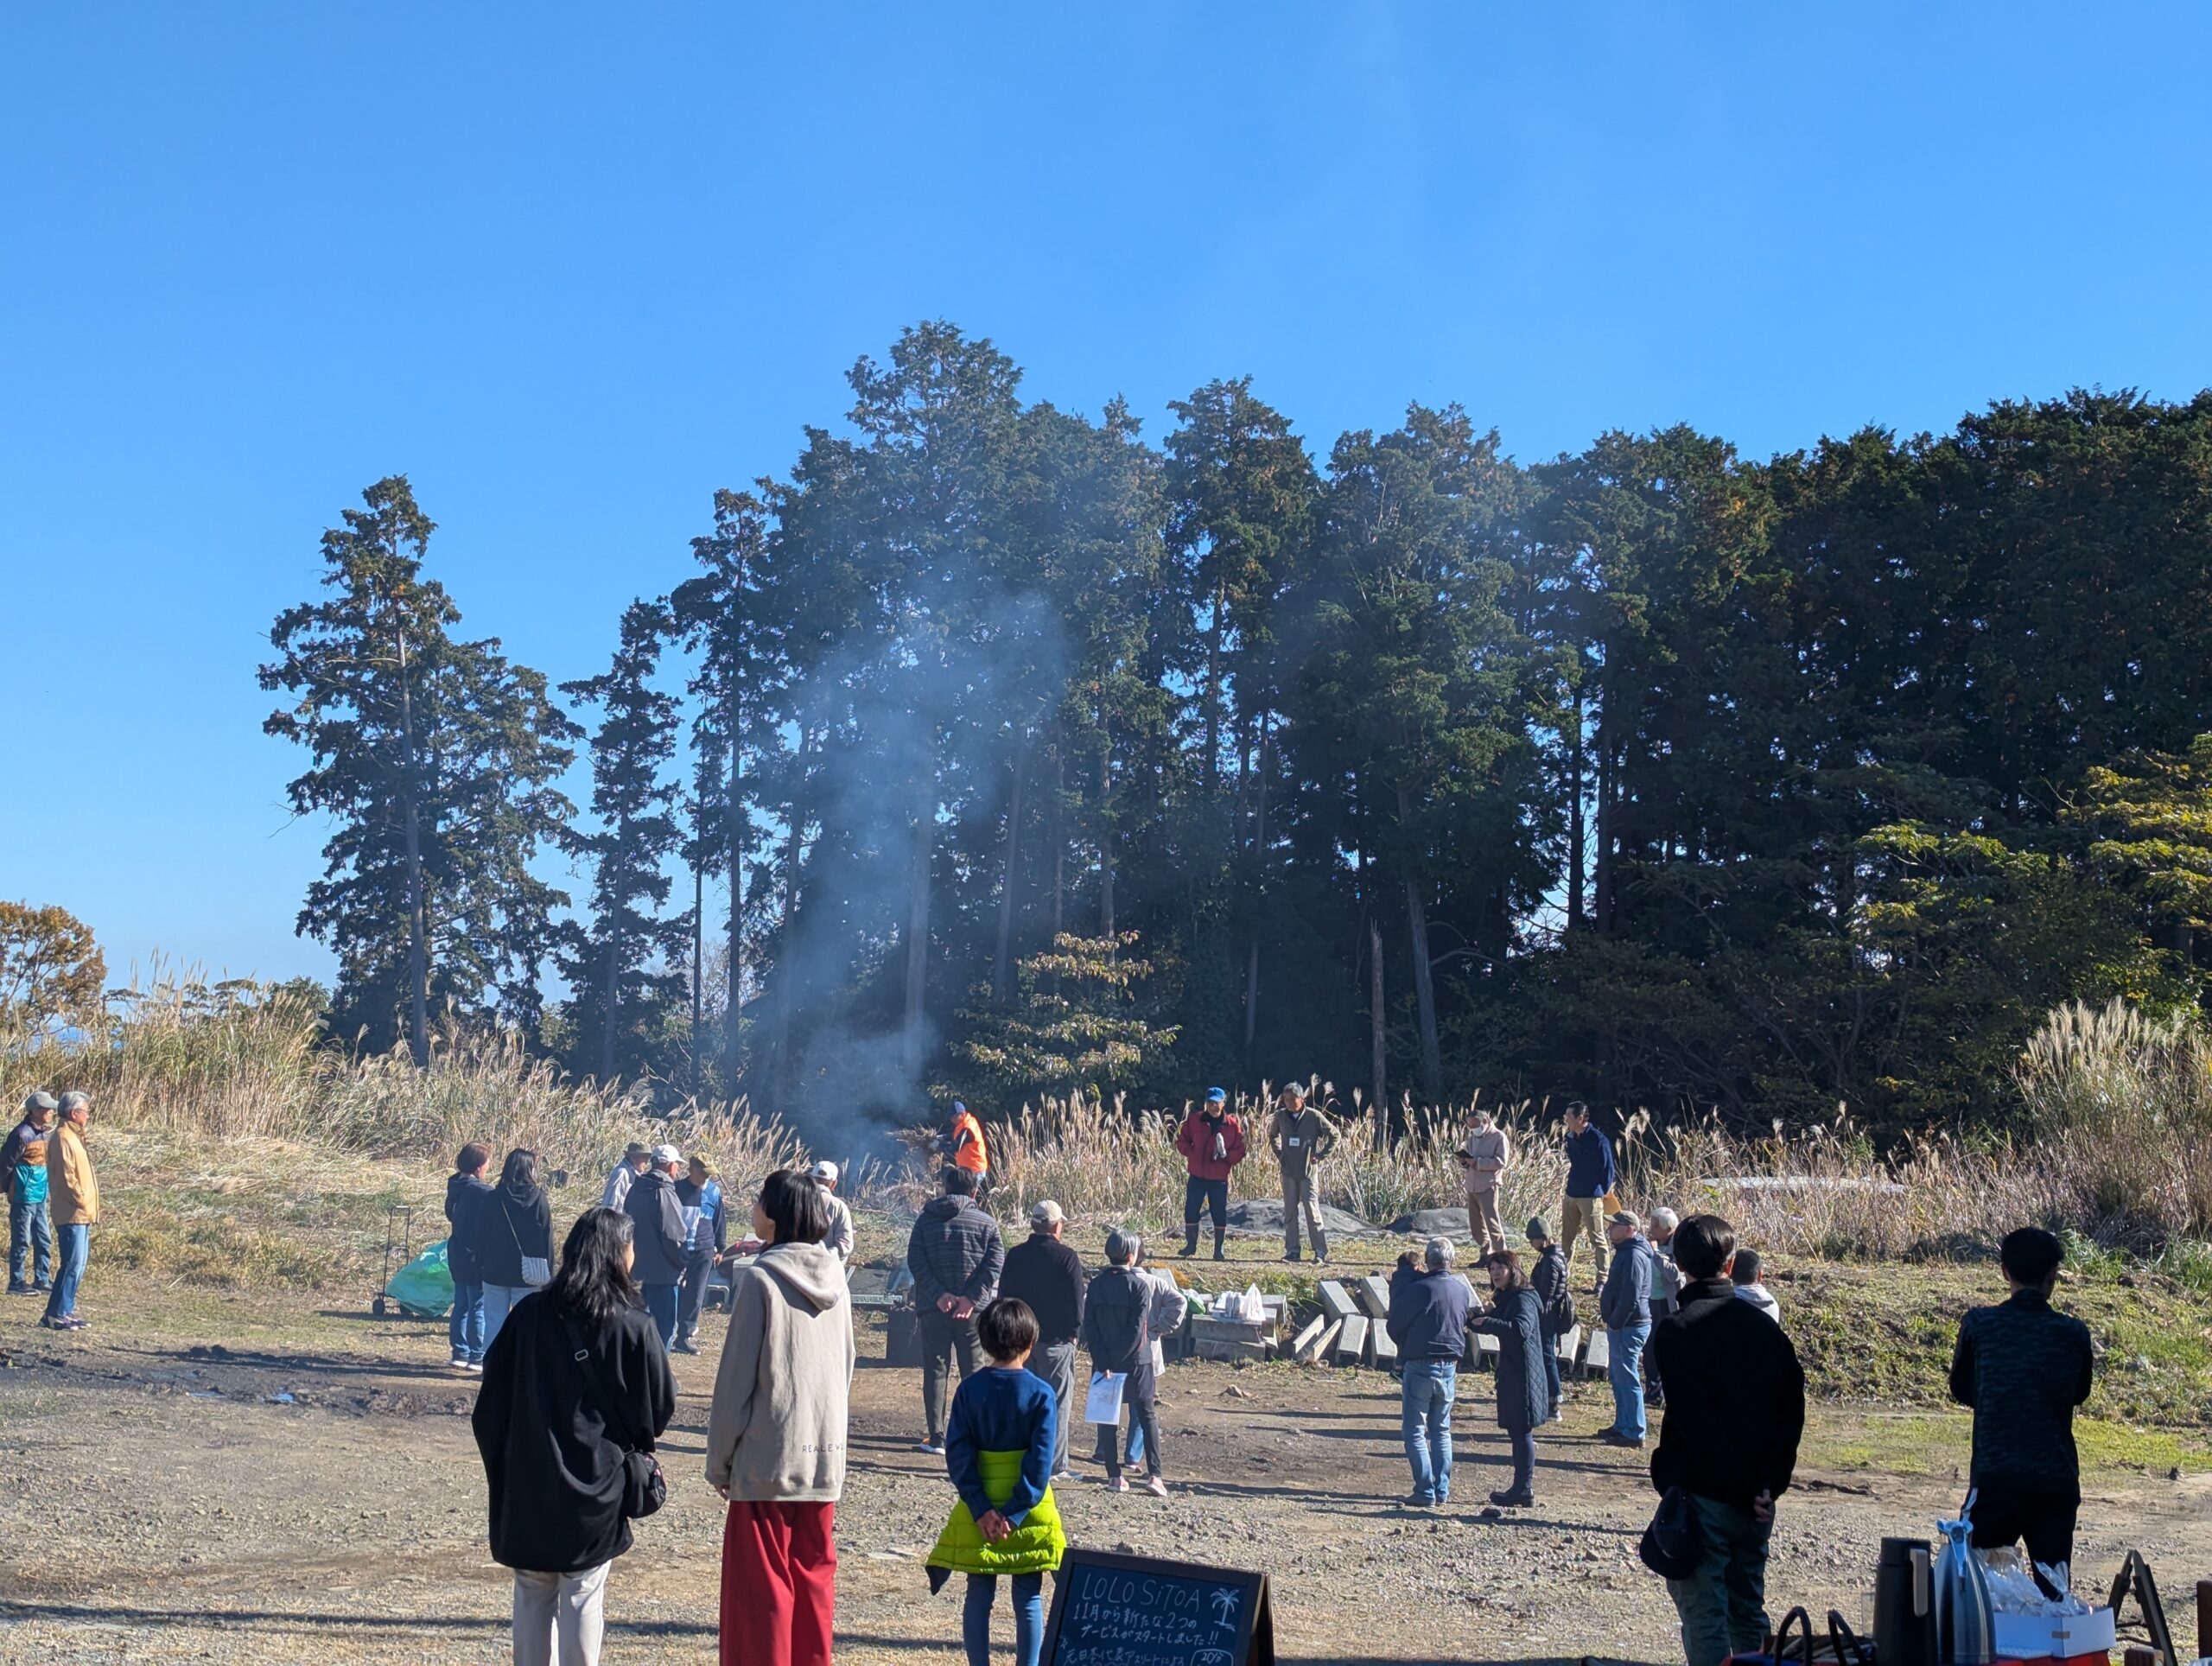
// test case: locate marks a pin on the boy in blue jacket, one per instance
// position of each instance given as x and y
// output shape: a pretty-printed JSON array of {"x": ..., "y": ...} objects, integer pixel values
[{"x": 998, "y": 1450}]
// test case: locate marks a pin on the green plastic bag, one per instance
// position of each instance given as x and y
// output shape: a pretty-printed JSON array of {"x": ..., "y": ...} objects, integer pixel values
[{"x": 423, "y": 1287}]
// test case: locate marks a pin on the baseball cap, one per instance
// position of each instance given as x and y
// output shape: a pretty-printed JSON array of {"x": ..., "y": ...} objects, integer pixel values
[
  {"x": 826, "y": 1172},
  {"x": 42, "y": 1101},
  {"x": 665, "y": 1154},
  {"x": 1216, "y": 1096},
  {"x": 959, "y": 1108},
  {"x": 1046, "y": 1213},
  {"x": 1622, "y": 1217}
]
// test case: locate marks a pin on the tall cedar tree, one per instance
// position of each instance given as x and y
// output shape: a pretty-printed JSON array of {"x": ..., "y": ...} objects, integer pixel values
[
  {"x": 437, "y": 758},
  {"x": 622, "y": 966}
]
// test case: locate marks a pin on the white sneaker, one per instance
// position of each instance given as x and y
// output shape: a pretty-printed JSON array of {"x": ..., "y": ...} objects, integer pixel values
[
  {"x": 476, "y": 1368},
  {"x": 1117, "y": 1484},
  {"x": 1155, "y": 1486}
]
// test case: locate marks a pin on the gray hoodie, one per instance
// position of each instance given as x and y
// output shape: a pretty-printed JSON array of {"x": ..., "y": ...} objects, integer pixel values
[{"x": 777, "y": 1429}]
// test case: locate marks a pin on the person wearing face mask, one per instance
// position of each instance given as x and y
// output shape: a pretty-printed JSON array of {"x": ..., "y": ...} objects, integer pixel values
[{"x": 1212, "y": 1141}]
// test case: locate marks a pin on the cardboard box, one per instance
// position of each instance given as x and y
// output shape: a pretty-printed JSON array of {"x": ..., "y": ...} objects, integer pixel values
[{"x": 2056, "y": 1636}]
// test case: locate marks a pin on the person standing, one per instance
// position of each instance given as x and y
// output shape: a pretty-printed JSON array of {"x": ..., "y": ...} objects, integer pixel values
[
  {"x": 964, "y": 1146},
  {"x": 1484, "y": 1156},
  {"x": 510, "y": 1233},
  {"x": 1590, "y": 1178},
  {"x": 1516, "y": 1321},
  {"x": 74, "y": 1195},
  {"x": 1166, "y": 1317},
  {"x": 1749, "y": 1287},
  {"x": 636, "y": 1160},
  {"x": 838, "y": 1241},
  {"x": 775, "y": 1432},
  {"x": 1666, "y": 1289},
  {"x": 1046, "y": 1276},
  {"x": 653, "y": 1210},
  {"x": 706, "y": 1241},
  {"x": 1735, "y": 1412},
  {"x": 1625, "y": 1307},
  {"x": 998, "y": 1450},
  {"x": 465, "y": 1189},
  {"x": 573, "y": 1383},
  {"x": 1116, "y": 1331},
  {"x": 956, "y": 1256},
  {"x": 1300, "y": 1136},
  {"x": 23, "y": 1178},
  {"x": 1554, "y": 1307},
  {"x": 2023, "y": 1367},
  {"x": 1212, "y": 1141},
  {"x": 1427, "y": 1318}
]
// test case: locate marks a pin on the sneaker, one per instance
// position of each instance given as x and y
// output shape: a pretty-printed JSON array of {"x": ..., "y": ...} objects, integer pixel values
[
  {"x": 1118, "y": 1484},
  {"x": 53, "y": 1324},
  {"x": 1626, "y": 1442},
  {"x": 1417, "y": 1501},
  {"x": 21, "y": 1290},
  {"x": 1514, "y": 1498},
  {"x": 684, "y": 1344},
  {"x": 930, "y": 1447},
  {"x": 1155, "y": 1486},
  {"x": 459, "y": 1362},
  {"x": 474, "y": 1368},
  {"x": 1065, "y": 1478}
]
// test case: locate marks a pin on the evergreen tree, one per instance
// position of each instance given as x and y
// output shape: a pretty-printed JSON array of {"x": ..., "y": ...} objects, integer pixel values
[{"x": 438, "y": 759}]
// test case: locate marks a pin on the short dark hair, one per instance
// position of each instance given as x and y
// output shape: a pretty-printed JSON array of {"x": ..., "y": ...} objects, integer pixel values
[
  {"x": 1576, "y": 1108},
  {"x": 1122, "y": 1247},
  {"x": 2031, "y": 1255},
  {"x": 1703, "y": 1244},
  {"x": 1006, "y": 1329},
  {"x": 959, "y": 1182},
  {"x": 795, "y": 1206},
  {"x": 1747, "y": 1270},
  {"x": 473, "y": 1157}
]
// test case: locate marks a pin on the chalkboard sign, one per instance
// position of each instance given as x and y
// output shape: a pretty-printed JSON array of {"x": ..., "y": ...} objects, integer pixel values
[{"x": 1135, "y": 1611}]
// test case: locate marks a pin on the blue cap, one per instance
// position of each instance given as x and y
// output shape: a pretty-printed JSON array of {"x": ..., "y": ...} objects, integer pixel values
[
  {"x": 958, "y": 1110},
  {"x": 1216, "y": 1096}
]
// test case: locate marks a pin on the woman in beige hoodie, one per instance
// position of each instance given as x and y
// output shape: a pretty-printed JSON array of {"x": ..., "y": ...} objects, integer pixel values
[{"x": 776, "y": 1434}]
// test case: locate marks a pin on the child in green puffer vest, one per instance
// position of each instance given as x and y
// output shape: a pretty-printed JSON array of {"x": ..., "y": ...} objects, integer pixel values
[{"x": 998, "y": 1449}]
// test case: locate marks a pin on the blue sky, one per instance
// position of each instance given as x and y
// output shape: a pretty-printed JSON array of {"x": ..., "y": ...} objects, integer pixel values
[{"x": 572, "y": 268}]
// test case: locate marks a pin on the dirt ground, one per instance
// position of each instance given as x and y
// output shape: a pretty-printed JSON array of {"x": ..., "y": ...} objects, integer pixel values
[{"x": 210, "y": 1477}]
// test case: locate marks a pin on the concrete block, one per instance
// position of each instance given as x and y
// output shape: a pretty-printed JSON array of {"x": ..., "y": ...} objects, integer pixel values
[{"x": 1351, "y": 1341}]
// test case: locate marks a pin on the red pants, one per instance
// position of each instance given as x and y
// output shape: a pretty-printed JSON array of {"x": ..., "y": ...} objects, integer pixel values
[{"x": 779, "y": 1584}]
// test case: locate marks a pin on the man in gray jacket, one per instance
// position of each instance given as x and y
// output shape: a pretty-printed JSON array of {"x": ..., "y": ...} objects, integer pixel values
[
  {"x": 1624, "y": 1304},
  {"x": 955, "y": 1255}
]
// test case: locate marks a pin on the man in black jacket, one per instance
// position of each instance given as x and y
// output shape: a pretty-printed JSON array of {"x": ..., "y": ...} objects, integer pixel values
[
  {"x": 956, "y": 1256},
  {"x": 1118, "y": 1330},
  {"x": 2024, "y": 1367},
  {"x": 1735, "y": 1412},
  {"x": 654, "y": 1210},
  {"x": 1048, "y": 1275}
]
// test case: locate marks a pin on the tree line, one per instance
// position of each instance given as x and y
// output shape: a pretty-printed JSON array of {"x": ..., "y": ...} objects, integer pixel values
[{"x": 1029, "y": 754}]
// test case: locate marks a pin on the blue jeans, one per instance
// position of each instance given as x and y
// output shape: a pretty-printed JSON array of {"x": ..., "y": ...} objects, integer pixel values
[
  {"x": 30, "y": 1239},
  {"x": 1722, "y": 1604},
  {"x": 1625, "y": 1370},
  {"x": 1430, "y": 1385},
  {"x": 1028, "y": 1618},
  {"x": 466, "y": 1325},
  {"x": 661, "y": 1302},
  {"x": 76, "y": 1244}
]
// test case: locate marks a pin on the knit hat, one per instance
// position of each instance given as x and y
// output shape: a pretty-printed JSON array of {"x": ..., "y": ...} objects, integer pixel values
[{"x": 1538, "y": 1232}]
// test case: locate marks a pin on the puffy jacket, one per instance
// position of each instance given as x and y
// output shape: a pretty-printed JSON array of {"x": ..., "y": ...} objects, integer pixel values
[
  {"x": 1735, "y": 1398},
  {"x": 2024, "y": 1367},
  {"x": 954, "y": 1250},
  {"x": 1195, "y": 1142},
  {"x": 1428, "y": 1313},
  {"x": 1547, "y": 1273},
  {"x": 658, "y": 1218},
  {"x": 1625, "y": 1301}
]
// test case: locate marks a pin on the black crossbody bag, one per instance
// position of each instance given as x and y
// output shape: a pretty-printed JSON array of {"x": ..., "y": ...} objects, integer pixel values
[{"x": 645, "y": 1489}]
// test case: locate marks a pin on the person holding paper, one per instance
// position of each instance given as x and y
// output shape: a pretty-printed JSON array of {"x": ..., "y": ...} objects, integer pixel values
[
  {"x": 1484, "y": 1156},
  {"x": 1118, "y": 1332}
]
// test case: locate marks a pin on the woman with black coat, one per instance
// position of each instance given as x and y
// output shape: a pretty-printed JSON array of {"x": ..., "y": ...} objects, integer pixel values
[
  {"x": 510, "y": 1226},
  {"x": 466, "y": 1187},
  {"x": 1524, "y": 1397},
  {"x": 575, "y": 1381}
]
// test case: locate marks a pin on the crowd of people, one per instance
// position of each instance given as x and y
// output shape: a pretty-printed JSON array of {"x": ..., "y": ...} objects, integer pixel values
[{"x": 574, "y": 1349}]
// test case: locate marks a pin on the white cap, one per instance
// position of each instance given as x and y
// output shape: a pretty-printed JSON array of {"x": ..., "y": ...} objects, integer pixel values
[
  {"x": 1046, "y": 1213},
  {"x": 664, "y": 1155},
  {"x": 826, "y": 1172}
]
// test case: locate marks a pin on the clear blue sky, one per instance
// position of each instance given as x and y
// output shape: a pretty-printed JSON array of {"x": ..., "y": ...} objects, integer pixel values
[{"x": 572, "y": 268}]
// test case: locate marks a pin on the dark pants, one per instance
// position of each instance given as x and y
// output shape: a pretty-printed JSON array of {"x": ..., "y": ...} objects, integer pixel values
[
  {"x": 1524, "y": 1444},
  {"x": 1198, "y": 1196},
  {"x": 1551, "y": 1372},
  {"x": 1144, "y": 1416},
  {"x": 2004, "y": 1516},
  {"x": 946, "y": 1342},
  {"x": 660, "y": 1302},
  {"x": 1055, "y": 1362},
  {"x": 30, "y": 1240},
  {"x": 1723, "y": 1603},
  {"x": 698, "y": 1268},
  {"x": 76, "y": 1249}
]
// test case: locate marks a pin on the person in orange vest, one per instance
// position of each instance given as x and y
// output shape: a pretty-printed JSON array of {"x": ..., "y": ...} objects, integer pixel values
[
  {"x": 963, "y": 1144},
  {"x": 1212, "y": 1144}
]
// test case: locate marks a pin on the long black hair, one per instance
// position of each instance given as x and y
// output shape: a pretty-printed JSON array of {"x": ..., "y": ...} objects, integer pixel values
[
  {"x": 593, "y": 1282},
  {"x": 519, "y": 1173}
]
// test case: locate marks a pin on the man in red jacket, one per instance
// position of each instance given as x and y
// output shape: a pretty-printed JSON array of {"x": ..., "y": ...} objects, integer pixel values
[{"x": 1212, "y": 1144}]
